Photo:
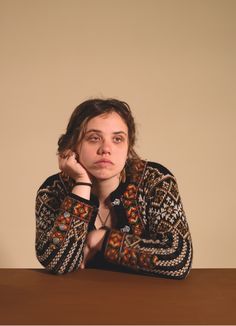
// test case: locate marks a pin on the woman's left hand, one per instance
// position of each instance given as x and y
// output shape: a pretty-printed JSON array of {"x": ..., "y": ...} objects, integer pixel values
[{"x": 93, "y": 244}]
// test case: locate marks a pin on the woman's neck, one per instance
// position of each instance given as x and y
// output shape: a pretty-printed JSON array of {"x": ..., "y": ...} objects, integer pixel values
[{"x": 103, "y": 188}]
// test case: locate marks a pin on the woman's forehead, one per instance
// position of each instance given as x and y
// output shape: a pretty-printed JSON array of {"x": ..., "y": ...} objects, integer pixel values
[{"x": 107, "y": 122}]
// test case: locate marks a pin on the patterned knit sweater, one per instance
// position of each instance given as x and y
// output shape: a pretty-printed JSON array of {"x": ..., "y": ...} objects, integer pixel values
[{"x": 151, "y": 237}]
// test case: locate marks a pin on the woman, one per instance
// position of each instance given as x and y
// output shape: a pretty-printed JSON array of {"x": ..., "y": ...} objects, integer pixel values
[{"x": 107, "y": 207}]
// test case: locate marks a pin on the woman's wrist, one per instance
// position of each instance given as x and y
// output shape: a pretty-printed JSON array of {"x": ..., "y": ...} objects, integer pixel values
[
  {"x": 82, "y": 179},
  {"x": 82, "y": 189}
]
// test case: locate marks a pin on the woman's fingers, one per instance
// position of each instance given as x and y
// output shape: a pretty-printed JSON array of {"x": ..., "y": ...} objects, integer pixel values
[
  {"x": 66, "y": 154},
  {"x": 85, "y": 257},
  {"x": 71, "y": 159},
  {"x": 62, "y": 162},
  {"x": 92, "y": 246},
  {"x": 66, "y": 161},
  {"x": 69, "y": 164},
  {"x": 82, "y": 266}
]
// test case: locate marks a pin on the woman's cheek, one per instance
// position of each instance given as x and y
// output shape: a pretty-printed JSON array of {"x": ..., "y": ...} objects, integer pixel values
[{"x": 86, "y": 161}]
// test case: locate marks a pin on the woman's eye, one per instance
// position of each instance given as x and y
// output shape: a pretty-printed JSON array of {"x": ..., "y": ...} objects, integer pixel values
[
  {"x": 94, "y": 138},
  {"x": 118, "y": 139}
]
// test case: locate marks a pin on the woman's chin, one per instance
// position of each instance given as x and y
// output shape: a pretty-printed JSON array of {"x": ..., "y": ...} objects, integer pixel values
[{"x": 104, "y": 175}]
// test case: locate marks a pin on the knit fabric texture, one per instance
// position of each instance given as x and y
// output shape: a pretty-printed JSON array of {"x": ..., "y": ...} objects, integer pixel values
[{"x": 152, "y": 235}]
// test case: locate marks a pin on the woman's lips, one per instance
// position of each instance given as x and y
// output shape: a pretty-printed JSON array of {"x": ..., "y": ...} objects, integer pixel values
[{"x": 104, "y": 162}]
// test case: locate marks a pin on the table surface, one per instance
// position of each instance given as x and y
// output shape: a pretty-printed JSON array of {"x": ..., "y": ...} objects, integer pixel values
[{"x": 93, "y": 296}]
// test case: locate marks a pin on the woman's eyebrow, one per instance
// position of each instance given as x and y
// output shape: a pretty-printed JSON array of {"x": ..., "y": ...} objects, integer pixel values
[
  {"x": 99, "y": 131},
  {"x": 119, "y": 132},
  {"x": 93, "y": 130}
]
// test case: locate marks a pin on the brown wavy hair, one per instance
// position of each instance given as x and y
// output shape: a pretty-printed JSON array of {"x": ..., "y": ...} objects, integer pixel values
[{"x": 89, "y": 109}]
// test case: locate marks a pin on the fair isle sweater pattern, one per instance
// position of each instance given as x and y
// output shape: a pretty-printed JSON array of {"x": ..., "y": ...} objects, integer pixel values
[{"x": 155, "y": 240}]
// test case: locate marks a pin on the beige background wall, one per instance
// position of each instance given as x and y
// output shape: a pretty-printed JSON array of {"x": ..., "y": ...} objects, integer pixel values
[{"x": 173, "y": 61}]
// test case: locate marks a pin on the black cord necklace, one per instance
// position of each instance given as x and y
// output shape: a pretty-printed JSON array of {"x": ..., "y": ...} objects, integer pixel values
[{"x": 103, "y": 222}]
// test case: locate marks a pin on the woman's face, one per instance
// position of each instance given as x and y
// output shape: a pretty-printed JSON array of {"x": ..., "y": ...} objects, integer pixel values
[{"x": 104, "y": 148}]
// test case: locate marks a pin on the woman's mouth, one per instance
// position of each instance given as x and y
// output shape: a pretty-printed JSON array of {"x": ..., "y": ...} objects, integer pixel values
[{"x": 104, "y": 162}]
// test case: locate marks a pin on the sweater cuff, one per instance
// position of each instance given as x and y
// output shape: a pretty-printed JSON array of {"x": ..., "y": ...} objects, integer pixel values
[
  {"x": 93, "y": 201},
  {"x": 122, "y": 251},
  {"x": 70, "y": 210},
  {"x": 113, "y": 245},
  {"x": 72, "y": 207}
]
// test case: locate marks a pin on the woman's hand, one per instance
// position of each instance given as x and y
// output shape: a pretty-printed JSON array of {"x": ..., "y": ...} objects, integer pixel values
[
  {"x": 93, "y": 244},
  {"x": 68, "y": 163}
]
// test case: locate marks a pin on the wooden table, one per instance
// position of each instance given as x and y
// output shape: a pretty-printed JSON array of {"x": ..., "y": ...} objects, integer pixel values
[{"x": 92, "y": 296}]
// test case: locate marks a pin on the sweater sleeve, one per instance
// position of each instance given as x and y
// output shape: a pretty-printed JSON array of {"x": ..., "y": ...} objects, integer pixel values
[
  {"x": 62, "y": 222},
  {"x": 164, "y": 248}
]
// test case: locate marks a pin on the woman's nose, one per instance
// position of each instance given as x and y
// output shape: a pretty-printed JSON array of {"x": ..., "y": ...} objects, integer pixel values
[{"x": 104, "y": 148}]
